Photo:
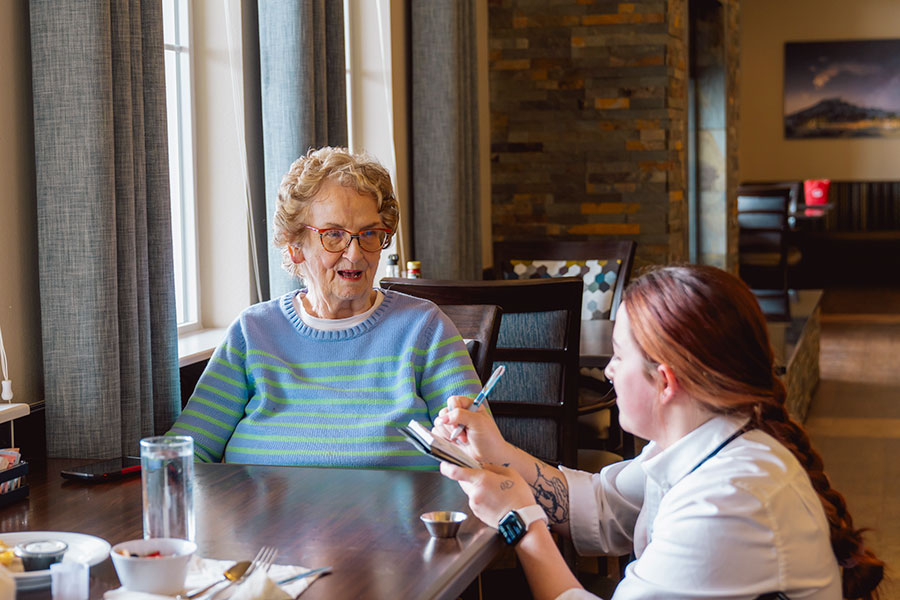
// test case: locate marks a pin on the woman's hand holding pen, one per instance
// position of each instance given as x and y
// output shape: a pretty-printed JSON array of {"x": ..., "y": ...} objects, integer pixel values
[
  {"x": 500, "y": 485},
  {"x": 480, "y": 438},
  {"x": 493, "y": 490}
]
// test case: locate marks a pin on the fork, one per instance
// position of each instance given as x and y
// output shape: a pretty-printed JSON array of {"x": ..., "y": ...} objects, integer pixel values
[{"x": 263, "y": 560}]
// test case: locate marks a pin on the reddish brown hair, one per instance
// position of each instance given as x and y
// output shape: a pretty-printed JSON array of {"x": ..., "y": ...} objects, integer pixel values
[{"x": 706, "y": 325}]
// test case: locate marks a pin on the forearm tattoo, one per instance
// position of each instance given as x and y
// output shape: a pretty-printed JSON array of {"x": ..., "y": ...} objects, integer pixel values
[
  {"x": 506, "y": 484},
  {"x": 552, "y": 495}
]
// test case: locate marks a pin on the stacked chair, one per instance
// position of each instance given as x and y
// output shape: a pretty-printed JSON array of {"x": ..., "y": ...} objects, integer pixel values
[{"x": 765, "y": 254}]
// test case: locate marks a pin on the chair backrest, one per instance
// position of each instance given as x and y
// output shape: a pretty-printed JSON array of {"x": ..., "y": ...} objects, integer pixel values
[
  {"x": 479, "y": 325},
  {"x": 603, "y": 265},
  {"x": 535, "y": 404},
  {"x": 763, "y": 225},
  {"x": 793, "y": 188},
  {"x": 763, "y": 230},
  {"x": 775, "y": 304}
]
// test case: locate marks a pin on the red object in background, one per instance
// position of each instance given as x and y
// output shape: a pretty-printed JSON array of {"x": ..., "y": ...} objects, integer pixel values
[{"x": 815, "y": 191}]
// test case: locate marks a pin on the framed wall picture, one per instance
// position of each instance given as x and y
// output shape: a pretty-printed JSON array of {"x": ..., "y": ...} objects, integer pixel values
[{"x": 842, "y": 89}]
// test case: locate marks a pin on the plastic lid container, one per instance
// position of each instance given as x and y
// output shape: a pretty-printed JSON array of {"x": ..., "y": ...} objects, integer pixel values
[{"x": 40, "y": 554}]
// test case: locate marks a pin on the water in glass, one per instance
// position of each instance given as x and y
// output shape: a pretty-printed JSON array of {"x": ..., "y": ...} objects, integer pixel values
[{"x": 167, "y": 475}]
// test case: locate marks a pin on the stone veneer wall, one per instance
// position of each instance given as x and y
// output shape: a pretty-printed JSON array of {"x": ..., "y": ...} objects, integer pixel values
[
  {"x": 588, "y": 122},
  {"x": 802, "y": 371},
  {"x": 715, "y": 56},
  {"x": 732, "y": 115}
]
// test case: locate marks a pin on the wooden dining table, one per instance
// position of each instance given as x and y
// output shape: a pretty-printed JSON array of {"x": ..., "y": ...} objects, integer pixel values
[{"x": 364, "y": 523}]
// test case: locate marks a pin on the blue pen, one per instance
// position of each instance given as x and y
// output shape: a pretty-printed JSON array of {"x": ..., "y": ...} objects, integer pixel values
[{"x": 495, "y": 377}]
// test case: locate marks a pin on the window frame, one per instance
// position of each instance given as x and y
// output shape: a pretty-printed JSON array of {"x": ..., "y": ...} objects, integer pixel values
[{"x": 184, "y": 212}]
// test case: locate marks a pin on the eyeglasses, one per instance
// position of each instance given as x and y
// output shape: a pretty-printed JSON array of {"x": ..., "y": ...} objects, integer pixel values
[{"x": 338, "y": 240}]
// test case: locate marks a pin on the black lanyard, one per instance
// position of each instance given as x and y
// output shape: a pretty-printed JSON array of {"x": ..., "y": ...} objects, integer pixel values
[{"x": 730, "y": 439}]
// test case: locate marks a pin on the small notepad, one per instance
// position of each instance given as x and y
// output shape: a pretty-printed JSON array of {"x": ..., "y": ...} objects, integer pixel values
[{"x": 436, "y": 447}]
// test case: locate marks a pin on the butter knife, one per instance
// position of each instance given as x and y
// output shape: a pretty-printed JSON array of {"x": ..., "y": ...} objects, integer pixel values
[{"x": 292, "y": 579}]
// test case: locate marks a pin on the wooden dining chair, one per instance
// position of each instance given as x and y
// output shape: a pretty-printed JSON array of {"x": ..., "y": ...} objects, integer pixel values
[
  {"x": 765, "y": 254},
  {"x": 535, "y": 403},
  {"x": 793, "y": 188},
  {"x": 605, "y": 267}
]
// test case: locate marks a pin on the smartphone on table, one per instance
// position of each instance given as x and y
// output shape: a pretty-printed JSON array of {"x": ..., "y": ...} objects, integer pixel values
[{"x": 105, "y": 470}]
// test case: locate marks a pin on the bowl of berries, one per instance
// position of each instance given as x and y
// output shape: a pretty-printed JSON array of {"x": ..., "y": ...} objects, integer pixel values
[{"x": 154, "y": 566}]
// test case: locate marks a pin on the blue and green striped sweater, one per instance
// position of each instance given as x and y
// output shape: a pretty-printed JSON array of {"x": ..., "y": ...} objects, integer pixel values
[{"x": 277, "y": 391}]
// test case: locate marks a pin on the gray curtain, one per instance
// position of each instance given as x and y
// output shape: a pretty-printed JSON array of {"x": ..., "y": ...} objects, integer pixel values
[
  {"x": 444, "y": 139},
  {"x": 104, "y": 225},
  {"x": 304, "y": 94}
]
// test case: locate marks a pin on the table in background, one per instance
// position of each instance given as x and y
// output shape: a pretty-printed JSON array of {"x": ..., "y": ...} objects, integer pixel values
[
  {"x": 807, "y": 212},
  {"x": 795, "y": 344},
  {"x": 596, "y": 343},
  {"x": 365, "y": 523}
]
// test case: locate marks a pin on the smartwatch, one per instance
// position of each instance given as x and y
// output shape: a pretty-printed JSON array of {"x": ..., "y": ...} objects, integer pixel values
[{"x": 516, "y": 522}]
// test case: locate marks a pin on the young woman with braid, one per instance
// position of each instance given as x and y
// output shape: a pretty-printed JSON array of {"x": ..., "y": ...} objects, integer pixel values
[{"x": 728, "y": 500}]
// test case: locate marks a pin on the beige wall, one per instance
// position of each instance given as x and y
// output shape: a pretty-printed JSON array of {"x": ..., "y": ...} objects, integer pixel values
[
  {"x": 19, "y": 308},
  {"x": 764, "y": 154}
]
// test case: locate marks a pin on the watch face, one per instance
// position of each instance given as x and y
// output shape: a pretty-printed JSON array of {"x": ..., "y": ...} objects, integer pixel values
[{"x": 511, "y": 527}]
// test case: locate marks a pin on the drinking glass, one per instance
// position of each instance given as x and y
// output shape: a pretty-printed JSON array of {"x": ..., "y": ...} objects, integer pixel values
[{"x": 167, "y": 476}]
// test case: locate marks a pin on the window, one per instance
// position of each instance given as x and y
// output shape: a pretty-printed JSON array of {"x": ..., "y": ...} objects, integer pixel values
[{"x": 176, "y": 38}]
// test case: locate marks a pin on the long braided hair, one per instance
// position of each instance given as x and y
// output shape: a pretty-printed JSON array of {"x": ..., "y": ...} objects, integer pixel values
[{"x": 707, "y": 326}]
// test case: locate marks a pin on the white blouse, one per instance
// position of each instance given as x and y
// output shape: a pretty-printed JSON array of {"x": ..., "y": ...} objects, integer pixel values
[{"x": 746, "y": 522}]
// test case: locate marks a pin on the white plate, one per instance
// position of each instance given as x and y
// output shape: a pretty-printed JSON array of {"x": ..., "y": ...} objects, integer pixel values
[{"x": 82, "y": 548}]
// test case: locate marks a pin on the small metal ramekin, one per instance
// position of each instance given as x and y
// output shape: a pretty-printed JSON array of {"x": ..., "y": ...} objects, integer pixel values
[{"x": 443, "y": 523}]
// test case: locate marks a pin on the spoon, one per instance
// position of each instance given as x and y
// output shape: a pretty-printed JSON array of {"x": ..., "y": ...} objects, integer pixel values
[{"x": 232, "y": 573}]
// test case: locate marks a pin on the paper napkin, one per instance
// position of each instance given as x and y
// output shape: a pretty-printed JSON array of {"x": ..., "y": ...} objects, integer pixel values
[{"x": 259, "y": 586}]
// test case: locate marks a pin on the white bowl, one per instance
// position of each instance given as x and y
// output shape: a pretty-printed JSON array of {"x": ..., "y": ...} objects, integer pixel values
[{"x": 153, "y": 574}]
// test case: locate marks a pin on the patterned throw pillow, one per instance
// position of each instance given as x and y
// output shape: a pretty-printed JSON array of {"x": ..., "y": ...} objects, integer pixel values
[{"x": 599, "y": 280}]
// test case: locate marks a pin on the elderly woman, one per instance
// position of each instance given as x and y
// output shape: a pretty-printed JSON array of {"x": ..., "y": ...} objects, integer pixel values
[
  {"x": 728, "y": 500},
  {"x": 322, "y": 376}
]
